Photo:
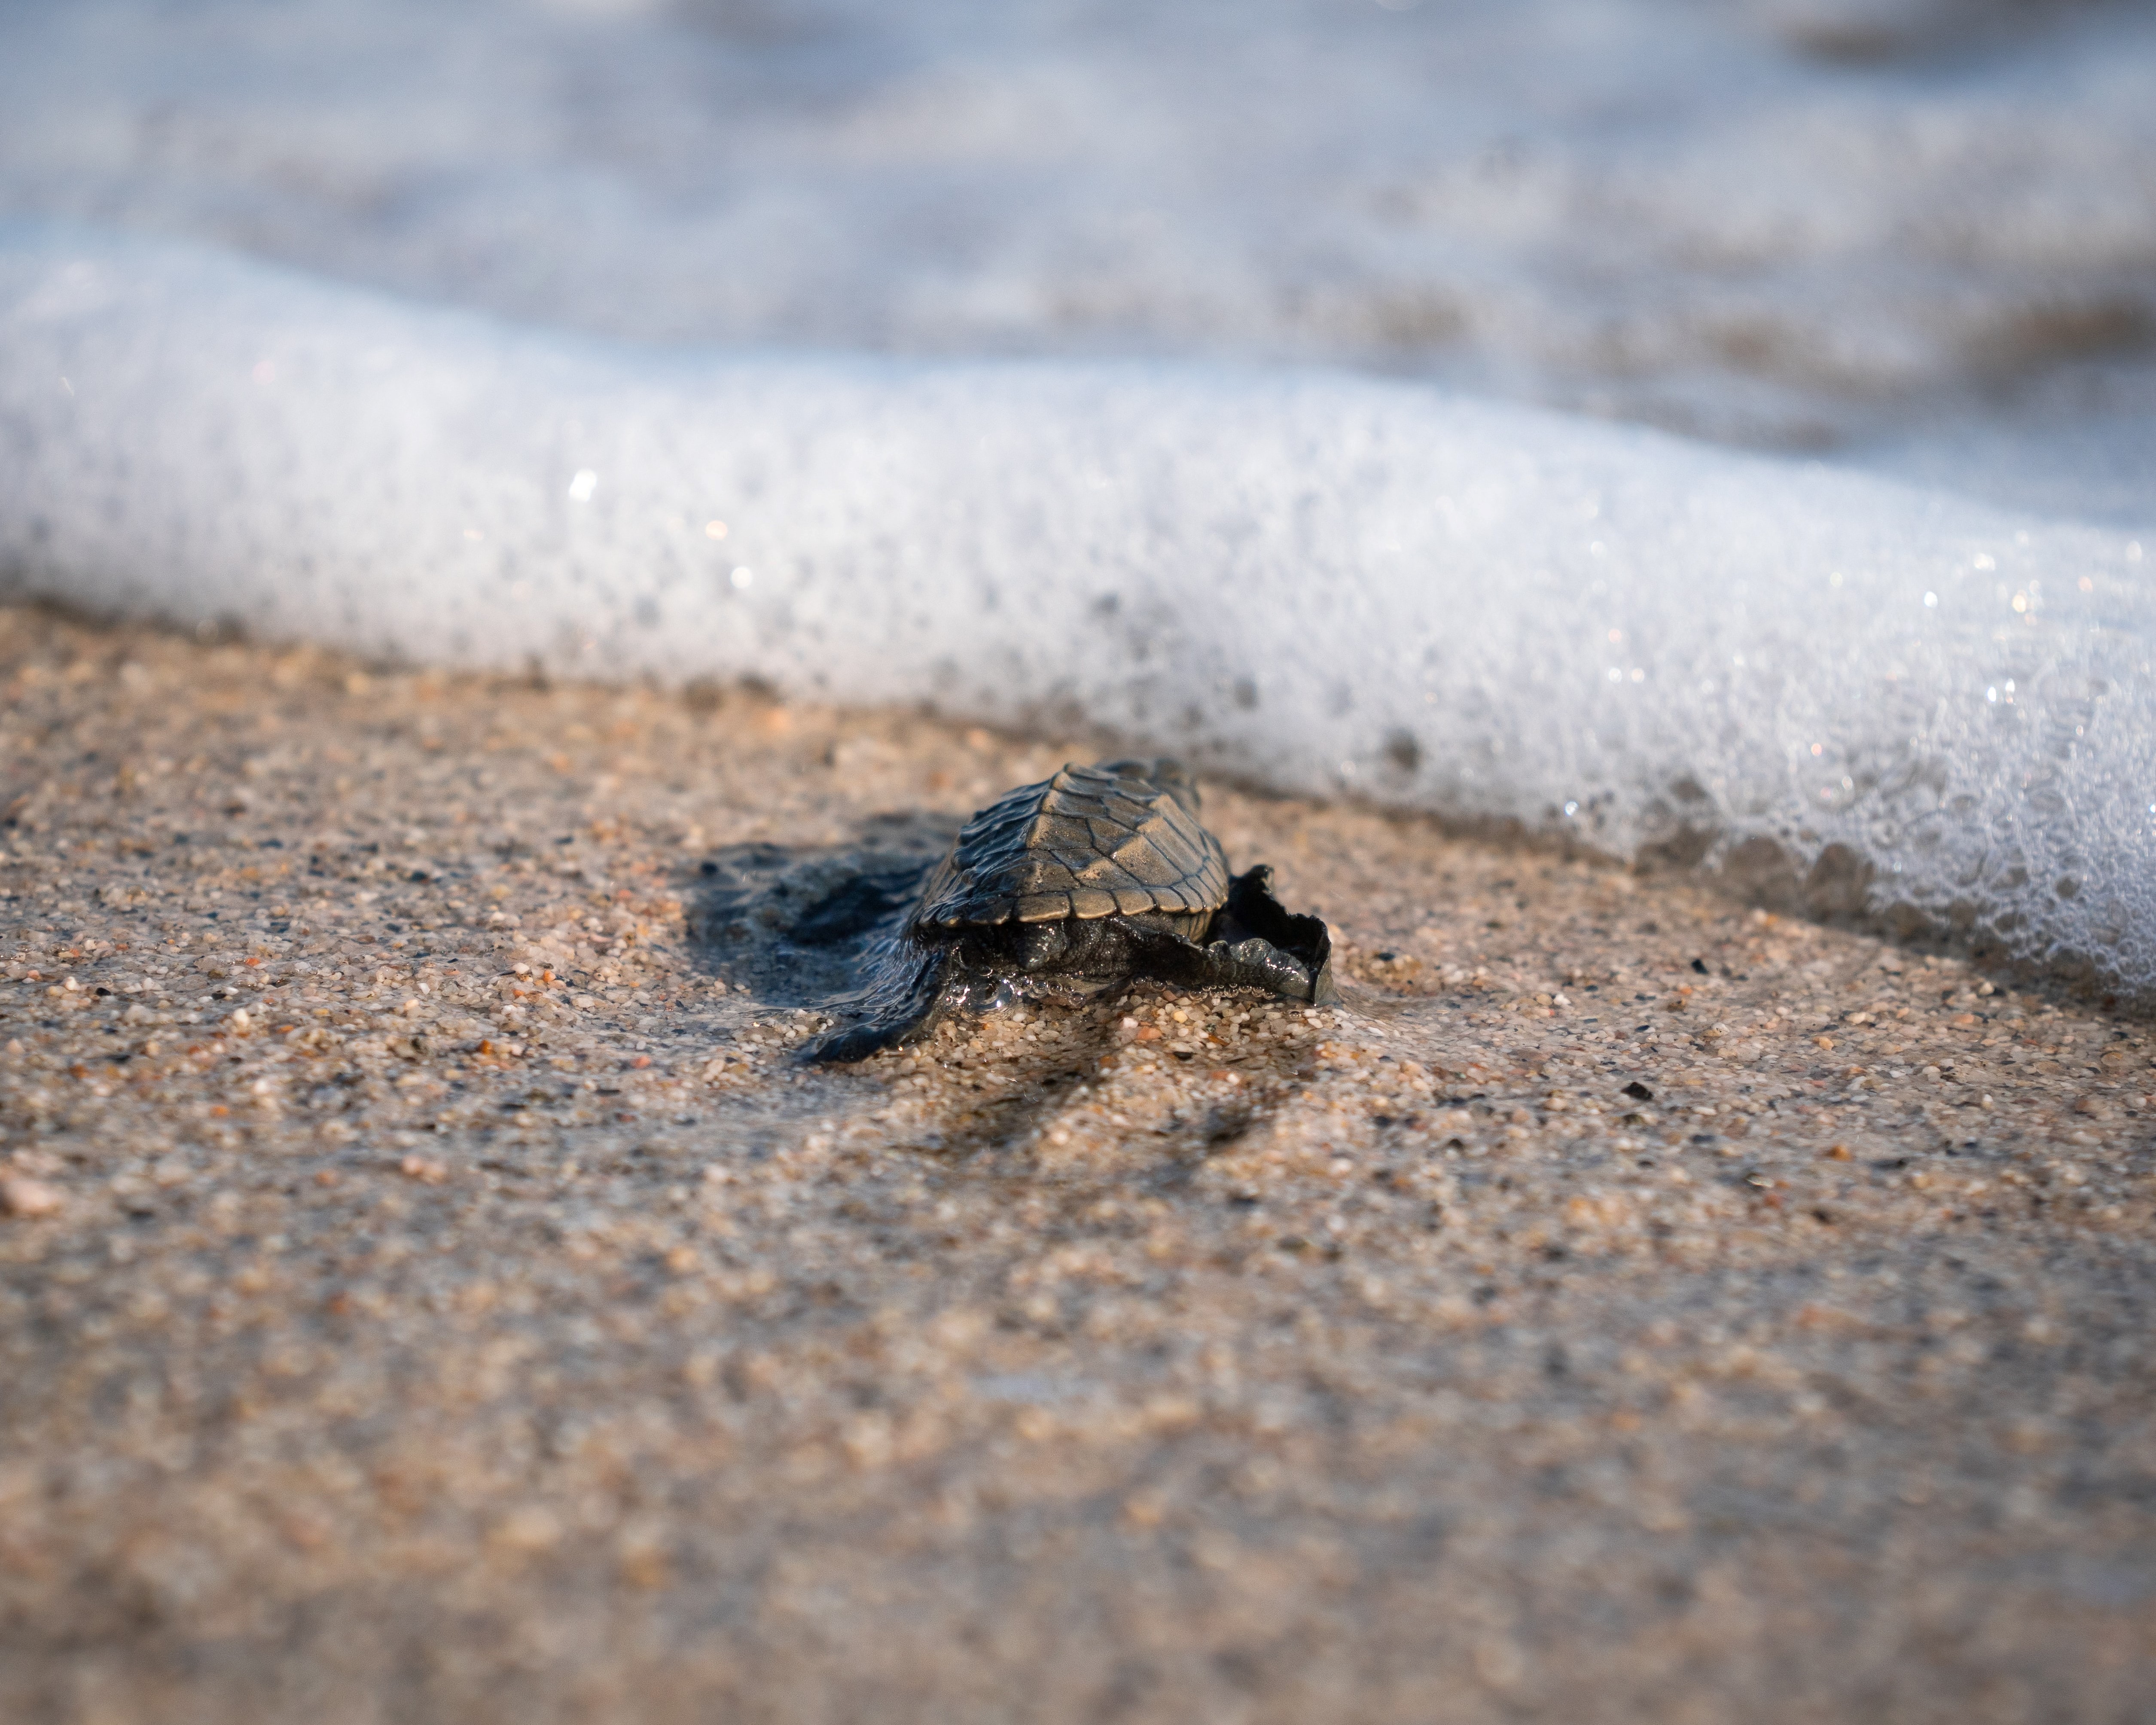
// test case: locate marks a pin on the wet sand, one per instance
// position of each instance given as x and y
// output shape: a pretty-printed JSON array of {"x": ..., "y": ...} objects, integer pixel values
[{"x": 430, "y": 1290}]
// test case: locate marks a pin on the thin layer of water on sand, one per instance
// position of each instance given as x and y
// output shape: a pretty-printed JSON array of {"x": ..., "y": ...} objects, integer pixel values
[{"x": 425, "y": 1270}]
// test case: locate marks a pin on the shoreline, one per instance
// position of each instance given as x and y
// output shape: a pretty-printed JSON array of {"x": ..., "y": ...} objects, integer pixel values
[
  {"x": 1843, "y": 693},
  {"x": 396, "y": 1331}
]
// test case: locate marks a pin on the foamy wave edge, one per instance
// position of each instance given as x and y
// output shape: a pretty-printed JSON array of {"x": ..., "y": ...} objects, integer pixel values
[{"x": 1841, "y": 696}]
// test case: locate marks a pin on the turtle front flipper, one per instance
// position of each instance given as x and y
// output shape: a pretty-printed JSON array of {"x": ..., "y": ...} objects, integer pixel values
[
  {"x": 1252, "y": 912},
  {"x": 911, "y": 992},
  {"x": 1256, "y": 943}
]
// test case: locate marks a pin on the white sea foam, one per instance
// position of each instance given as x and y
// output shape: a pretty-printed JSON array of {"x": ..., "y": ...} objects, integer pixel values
[{"x": 1845, "y": 692}]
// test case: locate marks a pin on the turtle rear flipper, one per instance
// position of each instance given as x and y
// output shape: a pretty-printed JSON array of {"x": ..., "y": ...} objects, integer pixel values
[{"x": 907, "y": 1000}]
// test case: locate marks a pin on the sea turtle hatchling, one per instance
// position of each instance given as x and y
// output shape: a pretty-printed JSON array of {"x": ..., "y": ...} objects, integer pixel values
[{"x": 1093, "y": 877}]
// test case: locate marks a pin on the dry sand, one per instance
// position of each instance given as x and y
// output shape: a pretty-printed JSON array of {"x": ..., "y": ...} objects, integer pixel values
[{"x": 429, "y": 1292}]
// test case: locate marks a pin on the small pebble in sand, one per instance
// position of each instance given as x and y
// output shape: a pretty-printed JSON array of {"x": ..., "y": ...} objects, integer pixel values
[{"x": 21, "y": 1196}]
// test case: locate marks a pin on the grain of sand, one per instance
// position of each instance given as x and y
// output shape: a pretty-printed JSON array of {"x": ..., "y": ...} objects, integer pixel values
[{"x": 430, "y": 1291}]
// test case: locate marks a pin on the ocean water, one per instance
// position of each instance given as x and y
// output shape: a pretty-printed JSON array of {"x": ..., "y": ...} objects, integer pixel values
[
  {"x": 1796, "y": 224},
  {"x": 1722, "y": 432}
]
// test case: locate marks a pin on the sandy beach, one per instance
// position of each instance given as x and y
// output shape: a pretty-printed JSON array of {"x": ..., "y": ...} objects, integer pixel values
[{"x": 431, "y": 1291}]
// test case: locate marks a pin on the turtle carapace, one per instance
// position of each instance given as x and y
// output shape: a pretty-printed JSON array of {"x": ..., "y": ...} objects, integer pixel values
[{"x": 1092, "y": 878}]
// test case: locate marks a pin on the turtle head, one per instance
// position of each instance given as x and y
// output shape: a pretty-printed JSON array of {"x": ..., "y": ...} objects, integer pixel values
[
  {"x": 1166, "y": 774},
  {"x": 1038, "y": 946}
]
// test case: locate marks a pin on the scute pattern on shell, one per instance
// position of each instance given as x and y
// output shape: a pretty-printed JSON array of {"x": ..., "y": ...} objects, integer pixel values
[{"x": 1085, "y": 844}]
